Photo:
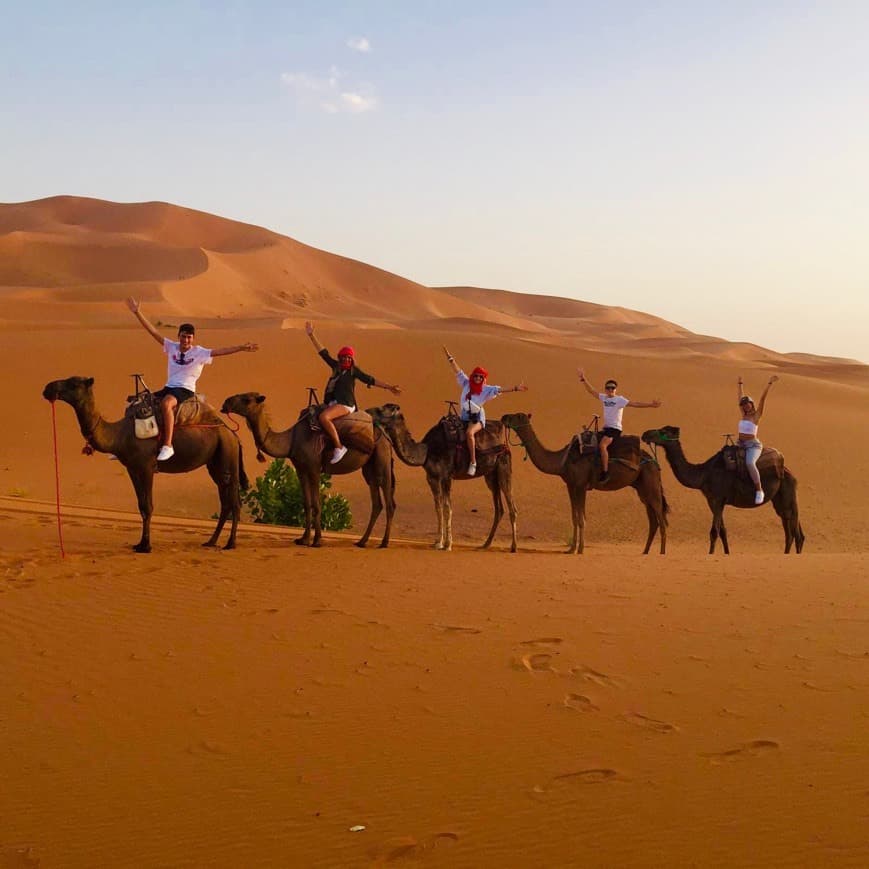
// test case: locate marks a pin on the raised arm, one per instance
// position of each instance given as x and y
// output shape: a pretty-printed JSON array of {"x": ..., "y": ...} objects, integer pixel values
[
  {"x": 452, "y": 360},
  {"x": 762, "y": 403},
  {"x": 247, "y": 347},
  {"x": 739, "y": 390},
  {"x": 134, "y": 306},
  {"x": 588, "y": 387},
  {"x": 309, "y": 328}
]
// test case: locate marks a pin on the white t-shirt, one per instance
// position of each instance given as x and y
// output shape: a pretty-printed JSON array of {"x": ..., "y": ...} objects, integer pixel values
[
  {"x": 613, "y": 405},
  {"x": 476, "y": 401},
  {"x": 185, "y": 373}
]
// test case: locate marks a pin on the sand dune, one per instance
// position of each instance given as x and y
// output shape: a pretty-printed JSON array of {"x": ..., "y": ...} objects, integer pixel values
[{"x": 196, "y": 707}]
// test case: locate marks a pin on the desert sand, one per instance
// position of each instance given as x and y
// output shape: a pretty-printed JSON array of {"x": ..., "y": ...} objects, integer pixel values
[{"x": 201, "y": 707}]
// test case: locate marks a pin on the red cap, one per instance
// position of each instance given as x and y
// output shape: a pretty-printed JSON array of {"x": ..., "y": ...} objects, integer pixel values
[
  {"x": 479, "y": 370},
  {"x": 346, "y": 351}
]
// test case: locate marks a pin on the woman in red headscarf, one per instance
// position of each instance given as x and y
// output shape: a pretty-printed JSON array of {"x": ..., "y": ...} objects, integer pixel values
[
  {"x": 475, "y": 393},
  {"x": 340, "y": 395}
]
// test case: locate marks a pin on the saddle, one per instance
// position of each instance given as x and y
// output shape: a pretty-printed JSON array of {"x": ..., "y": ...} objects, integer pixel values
[
  {"x": 733, "y": 457},
  {"x": 143, "y": 408},
  {"x": 489, "y": 441},
  {"x": 626, "y": 450},
  {"x": 356, "y": 430}
]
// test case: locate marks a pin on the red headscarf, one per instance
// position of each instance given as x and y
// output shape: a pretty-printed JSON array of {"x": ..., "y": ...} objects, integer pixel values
[
  {"x": 346, "y": 351},
  {"x": 476, "y": 387}
]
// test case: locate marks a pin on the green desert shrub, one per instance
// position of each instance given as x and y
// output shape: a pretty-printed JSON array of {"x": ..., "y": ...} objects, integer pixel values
[{"x": 276, "y": 499}]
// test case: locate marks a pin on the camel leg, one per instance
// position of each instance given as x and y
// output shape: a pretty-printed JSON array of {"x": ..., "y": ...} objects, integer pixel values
[
  {"x": 372, "y": 477},
  {"x": 579, "y": 497},
  {"x": 447, "y": 486},
  {"x": 505, "y": 475},
  {"x": 717, "y": 530},
  {"x": 493, "y": 483},
  {"x": 143, "y": 482},
  {"x": 785, "y": 504},
  {"x": 437, "y": 493},
  {"x": 307, "y": 499},
  {"x": 222, "y": 481},
  {"x": 650, "y": 493},
  {"x": 388, "y": 476},
  {"x": 574, "y": 521},
  {"x": 316, "y": 507}
]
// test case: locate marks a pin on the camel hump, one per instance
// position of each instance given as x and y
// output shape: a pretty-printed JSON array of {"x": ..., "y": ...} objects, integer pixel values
[
  {"x": 626, "y": 445},
  {"x": 771, "y": 459},
  {"x": 356, "y": 430},
  {"x": 196, "y": 411}
]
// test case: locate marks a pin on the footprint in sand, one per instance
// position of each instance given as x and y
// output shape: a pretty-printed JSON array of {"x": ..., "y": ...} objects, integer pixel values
[
  {"x": 649, "y": 723},
  {"x": 542, "y": 641},
  {"x": 579, "y": 702},
  {"x": 755, "y": 748},
  {"x": 534, "y": 662},
  {"x": 456, "y": 629},
  {"x": 594, "y": 676},
  {"x": 560, "y": 785},
  {"x": 400, "y": 848}
]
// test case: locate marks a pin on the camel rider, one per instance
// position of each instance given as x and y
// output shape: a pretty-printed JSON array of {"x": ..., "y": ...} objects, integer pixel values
[
  {"x": 613, "y": 405},
  {"x": 185, "y": 363},
  {"x": 475, "y": 393},
  {"x": 748, "y": 434},
  {"x": 340, "y": 396}
]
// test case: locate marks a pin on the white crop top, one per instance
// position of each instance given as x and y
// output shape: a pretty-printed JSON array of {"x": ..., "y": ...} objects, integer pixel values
[{"x": 747, "y": 427}]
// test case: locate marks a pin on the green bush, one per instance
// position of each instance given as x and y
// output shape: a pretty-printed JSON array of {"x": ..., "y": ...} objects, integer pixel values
[{"x": 276, "y": 499}]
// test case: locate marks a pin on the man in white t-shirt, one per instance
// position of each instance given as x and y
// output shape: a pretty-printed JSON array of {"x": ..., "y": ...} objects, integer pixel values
[
  {"x": 613, "y": 405},
  {"x": 185, "y": 363}
]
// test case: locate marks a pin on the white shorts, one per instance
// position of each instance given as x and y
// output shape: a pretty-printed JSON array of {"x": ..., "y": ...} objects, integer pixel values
[{"x": 335, "y": 404}]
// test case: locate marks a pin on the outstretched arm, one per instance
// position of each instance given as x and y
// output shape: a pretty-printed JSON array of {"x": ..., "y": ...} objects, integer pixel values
[
  {"x": 762, "y": 403},
  {"x": 134, "y": 306},
  {"x": 655, "y": 403},
  {"x": 247, "y": 347},
  {"x": 393, "y": 388},
  {"x": 588, "y": 387},
  {"x": 452, "y": 360},
  {"x": 520, "y": 387},
  {"x": 309, "y": 328}
]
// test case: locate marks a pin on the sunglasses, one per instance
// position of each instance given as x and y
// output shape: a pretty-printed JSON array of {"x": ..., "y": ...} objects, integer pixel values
[{"x": 610, "y": 386}]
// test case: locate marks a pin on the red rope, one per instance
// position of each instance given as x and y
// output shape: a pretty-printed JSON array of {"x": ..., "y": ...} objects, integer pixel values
[{"x": 57, "y": 480}]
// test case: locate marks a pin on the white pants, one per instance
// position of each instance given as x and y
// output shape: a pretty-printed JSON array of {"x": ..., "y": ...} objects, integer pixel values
[{"x": 753, "y": 449}]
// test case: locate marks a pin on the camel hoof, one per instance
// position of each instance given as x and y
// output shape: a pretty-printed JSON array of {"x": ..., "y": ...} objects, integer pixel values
[
  {"x": 209, "y": 543},
  {"x": 384, "y": 544},
  {"x": 142, "y": 547},
  {"x": 361, "y": 544},
  {"x": 301, "y": 541},
  {"x": 316, "y": 544},
  {"x": 229, "y": 546}
]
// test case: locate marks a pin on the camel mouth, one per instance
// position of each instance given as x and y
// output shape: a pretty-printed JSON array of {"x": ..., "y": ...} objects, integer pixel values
[
  {"x": 225, "y": 407},
  {"x": 51, "y": 392}
]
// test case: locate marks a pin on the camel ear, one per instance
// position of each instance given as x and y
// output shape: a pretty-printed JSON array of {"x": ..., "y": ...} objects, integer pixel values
[
  {"x": 89, "y": 382},
  {"x": 529, "y": 416},
  {"x": 260, "y": 399}
]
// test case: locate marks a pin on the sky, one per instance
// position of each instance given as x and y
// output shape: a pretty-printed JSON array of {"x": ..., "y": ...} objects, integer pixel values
[{"x": 701, "y": 161}]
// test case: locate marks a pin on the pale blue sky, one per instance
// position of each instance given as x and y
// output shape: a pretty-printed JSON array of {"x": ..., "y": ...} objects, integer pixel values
[{"x": 702, "y": 161}]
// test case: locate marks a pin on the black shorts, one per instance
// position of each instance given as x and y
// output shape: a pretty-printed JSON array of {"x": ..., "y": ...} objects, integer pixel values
[
  {"x": 614, "y": 433},
  {"x": 179, "y": 392}
]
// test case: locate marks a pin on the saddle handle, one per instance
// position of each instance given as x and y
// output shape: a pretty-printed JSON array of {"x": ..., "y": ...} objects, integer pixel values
[
  {"x": 313, "y": 399},
  {"x": 728, "y": 440},
  {"x": 452, "y": 408},
  {"x": 139, "y": 386},
  {"x": 592, "y": 426}
]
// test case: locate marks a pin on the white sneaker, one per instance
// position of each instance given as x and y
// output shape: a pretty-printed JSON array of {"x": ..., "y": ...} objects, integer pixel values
[
  {"x": 472, "y": 469},
  {"x": 758, "y": 497},
  {"x": 166, "y": 452},
  {"x": 337, "y": 455}
]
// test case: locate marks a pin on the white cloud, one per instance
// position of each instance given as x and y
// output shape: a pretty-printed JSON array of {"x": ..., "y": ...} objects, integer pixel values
[
  {"x": 328, "y": 93},
  {"x": 359, "y": 43}
]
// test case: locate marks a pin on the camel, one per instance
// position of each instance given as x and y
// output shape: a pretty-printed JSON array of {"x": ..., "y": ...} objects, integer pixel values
[
  {"x": 444, "y": 462},
  {"x": 308, "y": 451},
  {"x": 723, "y": 487},
  {"x": 212, "y": 445},
  {"x": 629, "y": 466}
]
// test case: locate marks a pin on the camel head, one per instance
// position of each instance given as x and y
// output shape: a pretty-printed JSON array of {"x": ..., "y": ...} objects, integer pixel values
[
  {"x": 244, "y": 404},
  {"x": 664, "y": 435},
  {"x": 386, "y": 415},
  {"x": 73, "y": 390},
  {"x": 516, "y": 420}
]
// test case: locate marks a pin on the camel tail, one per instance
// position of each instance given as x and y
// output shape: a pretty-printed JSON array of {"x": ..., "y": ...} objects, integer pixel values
[{"x": 243, "y": 482}]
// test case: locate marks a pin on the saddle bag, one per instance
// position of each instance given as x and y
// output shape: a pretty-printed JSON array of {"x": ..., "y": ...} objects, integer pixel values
[{"x": 141, "y": 408}]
